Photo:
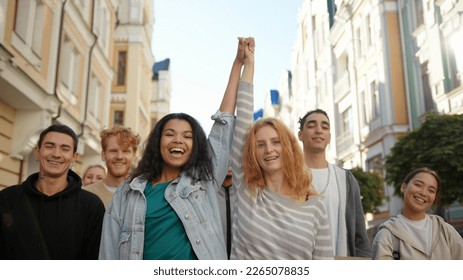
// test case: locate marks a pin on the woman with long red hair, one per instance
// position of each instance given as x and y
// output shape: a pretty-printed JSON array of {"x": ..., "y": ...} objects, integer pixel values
[{"x": 277, "y": 214}]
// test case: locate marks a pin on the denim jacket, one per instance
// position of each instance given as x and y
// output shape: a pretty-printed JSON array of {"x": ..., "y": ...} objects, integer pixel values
[{"x": 194, "y": 202}]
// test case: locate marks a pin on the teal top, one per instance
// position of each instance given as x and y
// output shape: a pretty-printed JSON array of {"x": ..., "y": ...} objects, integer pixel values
[{"x": 165, "y": 236}]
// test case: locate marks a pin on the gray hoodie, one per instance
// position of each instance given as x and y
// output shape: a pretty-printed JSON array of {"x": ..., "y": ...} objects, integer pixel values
[{"x": 447, "y": 244}]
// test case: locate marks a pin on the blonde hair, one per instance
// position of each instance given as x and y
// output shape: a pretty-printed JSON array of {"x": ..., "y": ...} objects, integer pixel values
[
  {"x": 92, "y": 166},
  {"x": 296, "y": 173}
]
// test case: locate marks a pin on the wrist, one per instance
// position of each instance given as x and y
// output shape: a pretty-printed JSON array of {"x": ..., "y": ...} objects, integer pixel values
[
  {"x": 248, "y": 61},
  {"x": 238, "y": 62}
]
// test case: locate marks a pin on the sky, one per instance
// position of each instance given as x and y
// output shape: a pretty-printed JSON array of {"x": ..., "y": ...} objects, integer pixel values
[{"x": 200, "y": 39}]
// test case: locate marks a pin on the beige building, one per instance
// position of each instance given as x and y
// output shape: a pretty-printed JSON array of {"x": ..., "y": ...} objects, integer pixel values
[
  {"x": 86, "y": 64},
  {"x": 133, "y": 59}
]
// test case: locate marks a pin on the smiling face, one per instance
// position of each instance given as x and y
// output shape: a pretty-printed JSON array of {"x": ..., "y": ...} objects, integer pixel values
[
  {"x": 118, "y": 157},
  {"x": 268, "y": 149},
  {"x": 419, "y": 195},
  {"x": 55, "y": 154},
  {"x": 176, "y": 143},
  {"x": 93, "y": 174},
  {"x": 315, "y": 134}
]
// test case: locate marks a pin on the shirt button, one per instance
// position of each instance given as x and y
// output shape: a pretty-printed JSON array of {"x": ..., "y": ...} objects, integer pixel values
[
  {"x": 198, "y": 242},
  {"x": 187, "y": 216}
]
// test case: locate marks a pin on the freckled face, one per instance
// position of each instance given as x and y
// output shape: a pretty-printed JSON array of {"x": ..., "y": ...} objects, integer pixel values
[
  {"x": 268, "y": 149},
  {"x": 176, "y": 143},
  {"x": 118, "y": 157}
]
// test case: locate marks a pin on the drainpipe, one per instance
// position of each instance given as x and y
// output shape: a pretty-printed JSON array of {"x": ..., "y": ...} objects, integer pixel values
[
  {"x": 89, "y": 64},
  {"x": 58, "y": 58}
]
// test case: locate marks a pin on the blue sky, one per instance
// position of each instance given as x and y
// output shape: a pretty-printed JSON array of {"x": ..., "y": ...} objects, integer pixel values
[{"x": 200, "y": 38}]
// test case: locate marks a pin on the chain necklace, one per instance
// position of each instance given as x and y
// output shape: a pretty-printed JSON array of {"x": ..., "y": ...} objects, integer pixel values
[{"x": 327, "y": 181}]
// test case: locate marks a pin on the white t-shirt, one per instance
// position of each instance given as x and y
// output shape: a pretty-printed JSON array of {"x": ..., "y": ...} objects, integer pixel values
[{"x": 330, "y": 196}]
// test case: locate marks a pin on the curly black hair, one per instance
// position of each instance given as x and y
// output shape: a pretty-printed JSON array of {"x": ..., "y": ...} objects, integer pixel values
[{"x": 199, "y": 165}]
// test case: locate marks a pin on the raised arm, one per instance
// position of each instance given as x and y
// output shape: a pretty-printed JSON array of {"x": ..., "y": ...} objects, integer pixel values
[
  {"x": 248, "y": 70},
  {"x": 244, "y": 113},
  {"x": 229, "y": 99}
]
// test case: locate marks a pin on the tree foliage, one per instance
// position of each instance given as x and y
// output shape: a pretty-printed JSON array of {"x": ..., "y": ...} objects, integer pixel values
[
  {"x": 371, "y": 189},
  {"x": 437, "y": 144}
]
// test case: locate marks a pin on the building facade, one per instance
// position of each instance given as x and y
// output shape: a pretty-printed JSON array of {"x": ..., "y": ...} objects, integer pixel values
[
  {"x": 377, "y": 67},
  {"x": 59, "y": 63},
  {"x": 161, "y": 89},
  {"x": 133, "y": 59}
]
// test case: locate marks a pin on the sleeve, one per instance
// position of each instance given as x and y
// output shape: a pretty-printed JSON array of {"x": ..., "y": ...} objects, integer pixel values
[
  {"x": 383, "y": 245},
  {"x": 2, "y": 237},
  {"x": 455, "y": 243},
  {"x": 219, "y": 143},
  {"x": 323, "y": 248},
  {"x": 244, "y": 120},
  {"x": 94, "y": 224},
  {"x": 110, "y": 235},
  {"x": 362, "y": 243}
]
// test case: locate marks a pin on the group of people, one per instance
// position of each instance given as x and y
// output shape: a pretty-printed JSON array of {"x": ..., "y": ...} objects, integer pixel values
[{"x": 246, "y": 191}]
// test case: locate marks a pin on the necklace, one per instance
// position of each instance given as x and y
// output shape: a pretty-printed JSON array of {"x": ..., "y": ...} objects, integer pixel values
[{"x": 327, "y": 181}]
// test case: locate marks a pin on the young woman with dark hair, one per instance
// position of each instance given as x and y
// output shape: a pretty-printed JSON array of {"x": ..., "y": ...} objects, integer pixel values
[
  {"x": 168, "y": 208},
  {"x": 414, "y": 234}
]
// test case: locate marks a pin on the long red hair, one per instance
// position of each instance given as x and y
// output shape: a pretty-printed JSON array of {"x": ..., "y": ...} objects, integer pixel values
[{"x": 296, "y": 174}]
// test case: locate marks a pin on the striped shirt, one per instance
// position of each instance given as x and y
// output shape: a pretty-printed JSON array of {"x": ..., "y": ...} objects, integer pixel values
[
  {"x": 269, "y": 225},
  {"x": 272, "y": 226}
]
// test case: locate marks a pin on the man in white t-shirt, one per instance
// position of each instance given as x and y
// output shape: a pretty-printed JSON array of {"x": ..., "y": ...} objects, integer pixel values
[
  {"x": 119, "y": 149},
  {"x": 339, "y": 188}
]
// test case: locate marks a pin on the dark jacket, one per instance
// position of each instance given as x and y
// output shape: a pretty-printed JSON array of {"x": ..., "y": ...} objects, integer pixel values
[
  {"x": 66, "y": 225},
  {"x": 358, "y": 243}
]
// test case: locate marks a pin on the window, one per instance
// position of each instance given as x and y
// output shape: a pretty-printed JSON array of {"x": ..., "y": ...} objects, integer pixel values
[
  {"x": 95, "y": 99},
  {"x": 365, "y": 107},
  {"x": 346, "y": 125},
  {"x": 331, "y": 11},
  {"x": 427, "y": 93},
  {"x": 375, "y": 165},
  {"x": 419, "y": 12},
  {"x": 101, "y": 19},
  {"x": 368, "y": 31},
  {"x": 452, "y": 75},
  {"x": 358, "y": 43},
  {"x": 375, "y": 109},
  {"x": 29, "y": 23},
  {"x": 118, "y": 117},
  {"x": 70, "y": 67},
  {"x": 342, "y": 66},
  {"x": 321, "y": 90},
  {"x": 121, "y": 68}
]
